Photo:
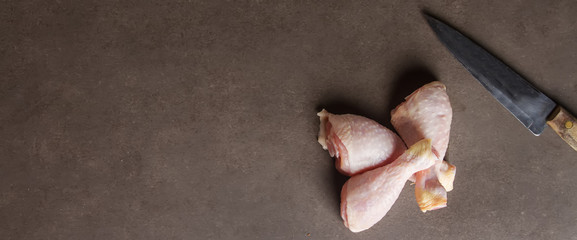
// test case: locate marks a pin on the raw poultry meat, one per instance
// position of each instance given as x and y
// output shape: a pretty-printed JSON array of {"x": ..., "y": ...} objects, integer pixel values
[
  {"x": 427, "y": 113},
  {"x": 358, "y": 143},
  {"x": 366, "y": 198}
]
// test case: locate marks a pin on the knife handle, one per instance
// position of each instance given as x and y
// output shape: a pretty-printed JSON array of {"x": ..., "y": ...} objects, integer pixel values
[{"x": 565, "y": 125}]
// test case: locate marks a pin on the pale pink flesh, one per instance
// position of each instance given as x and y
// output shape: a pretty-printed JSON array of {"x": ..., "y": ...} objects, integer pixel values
[
  {"x": 366, "y": 198},
  {"x": 427, "y": 113},
  {"x": 358, "y": 143}
]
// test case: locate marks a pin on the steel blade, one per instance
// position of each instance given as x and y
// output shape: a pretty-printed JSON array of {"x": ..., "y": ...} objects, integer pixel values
[{"x": 530, "y": 106}]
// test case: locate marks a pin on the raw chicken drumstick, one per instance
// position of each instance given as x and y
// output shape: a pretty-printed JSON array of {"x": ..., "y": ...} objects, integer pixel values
[
  {"x": 367, "y": 197},
  {"x": 358, "y": 143},
  {"x": 427, "y": 113}
]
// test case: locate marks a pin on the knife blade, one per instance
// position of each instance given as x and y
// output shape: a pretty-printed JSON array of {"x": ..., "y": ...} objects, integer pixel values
[{"x": 529, "y": 105}]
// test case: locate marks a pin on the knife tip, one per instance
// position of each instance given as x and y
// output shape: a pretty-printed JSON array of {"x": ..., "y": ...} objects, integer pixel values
[
  {"x": 426, "y": 13},
  {"x": 428, "y": 16}
]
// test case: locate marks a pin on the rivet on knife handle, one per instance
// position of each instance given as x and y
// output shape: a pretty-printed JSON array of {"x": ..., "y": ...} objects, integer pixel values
[{"x": 563, "y": 123}]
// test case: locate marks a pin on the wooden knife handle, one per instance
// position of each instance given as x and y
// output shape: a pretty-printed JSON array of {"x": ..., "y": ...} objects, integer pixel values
[{"x": 565, "y": 125}]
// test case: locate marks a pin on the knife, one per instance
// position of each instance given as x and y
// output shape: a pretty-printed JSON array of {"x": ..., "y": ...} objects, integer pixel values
[{"x": 529, "y": 105}]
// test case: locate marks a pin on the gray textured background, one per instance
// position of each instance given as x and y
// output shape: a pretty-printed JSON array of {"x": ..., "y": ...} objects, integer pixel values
[{"x": 196, "y": 119}]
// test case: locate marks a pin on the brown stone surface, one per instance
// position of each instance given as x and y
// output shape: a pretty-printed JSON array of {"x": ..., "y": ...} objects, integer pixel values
[{"x": 196, "y": 119}]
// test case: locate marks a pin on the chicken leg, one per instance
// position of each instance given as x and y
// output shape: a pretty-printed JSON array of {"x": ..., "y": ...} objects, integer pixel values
[{"x": 366, "y": 198}]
